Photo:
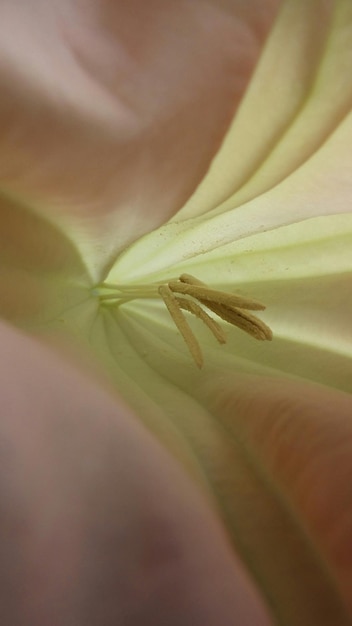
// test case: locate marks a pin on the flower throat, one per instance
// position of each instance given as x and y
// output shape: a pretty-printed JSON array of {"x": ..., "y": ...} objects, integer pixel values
[{"x": 191, "y": 295}]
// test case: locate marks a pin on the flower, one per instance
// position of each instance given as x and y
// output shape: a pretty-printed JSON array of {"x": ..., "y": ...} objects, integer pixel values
[{"x": 270, "y": 221}]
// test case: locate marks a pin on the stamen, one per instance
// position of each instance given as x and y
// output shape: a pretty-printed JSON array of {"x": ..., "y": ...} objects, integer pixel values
[
  {"x": 201, "y": 292},
  {"x": 230, "y": 307},
  {"x": 214, "y": 327},
  {"x": 118, "y": 294},
  {"x": 175, "y": 311},
  {"x": 247, "y": 322},
  {"x": 191, "y": 280},
  {"x": 233, "y": 314}
]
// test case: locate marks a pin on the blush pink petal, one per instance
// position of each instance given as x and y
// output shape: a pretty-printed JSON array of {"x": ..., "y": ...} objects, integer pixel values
[
  {"x": 295, "y": 439},
  {"x": 115, "y": 109},
  {"x": 99, "y": 526}
]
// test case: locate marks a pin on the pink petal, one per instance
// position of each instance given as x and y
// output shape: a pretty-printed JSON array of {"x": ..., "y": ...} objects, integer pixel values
[
  {"x": 119, "y": 107},
  {"x": 98, "y": 524},
  {"x": 297, "y": 440}
]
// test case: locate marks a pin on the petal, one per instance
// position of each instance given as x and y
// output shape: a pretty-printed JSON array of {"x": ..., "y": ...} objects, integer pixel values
[
  {"x": 299, "y": 438},
  {"x": 299, "y": 95},
  {"x": 103, "y": 103},
  {"x": 304, "y": 169},
  {"x": 322, "y": 187},
  {"x": 193, "y": 415},
  {"x": 303, "y": 274},
  {"x": 98, "y": 524},
  {"x": 42, "y": 274}
]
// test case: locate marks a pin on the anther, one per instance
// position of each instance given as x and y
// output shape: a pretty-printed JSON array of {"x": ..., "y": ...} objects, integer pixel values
[
  {"x": 214, "y": 327},
  {"x": 188, "y": 293},
  {"x": 176, "y": 313}
]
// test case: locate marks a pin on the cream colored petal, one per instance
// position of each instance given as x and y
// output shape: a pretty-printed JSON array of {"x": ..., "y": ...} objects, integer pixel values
[
  {"x": 294, "y": 565},
  {"x": 293, "y": 133},
  {"x": 303, "y": 274},
  {"x": 300, "y": 94},
  {"x": 153, "y": 370},
  {"x": 112, "y": 111},
  {"x": 293, "y": 528},
  {"x": 321, "y": 187}
]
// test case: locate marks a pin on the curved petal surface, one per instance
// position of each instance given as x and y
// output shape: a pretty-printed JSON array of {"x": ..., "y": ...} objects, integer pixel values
[
  {"x": 83, "y": 537},
  {"x": 280, "y": 230},
  {"x": 103, "y": 104},
  {"x": 300, "y": 437}
]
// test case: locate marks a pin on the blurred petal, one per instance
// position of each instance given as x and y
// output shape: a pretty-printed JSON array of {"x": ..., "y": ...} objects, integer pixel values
[
  {"x": 42, "y": 274},
  {"x": 299, "y": 440},
  {"x": 279, "y": 231},
  {"x": 185, "y": 409},
  {"x": 103, "y": 103},
  {"x": 98, "y": 524}
]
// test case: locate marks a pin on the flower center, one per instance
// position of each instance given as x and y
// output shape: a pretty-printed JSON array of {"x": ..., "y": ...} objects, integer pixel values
[{"x": 189, "y": 294}]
